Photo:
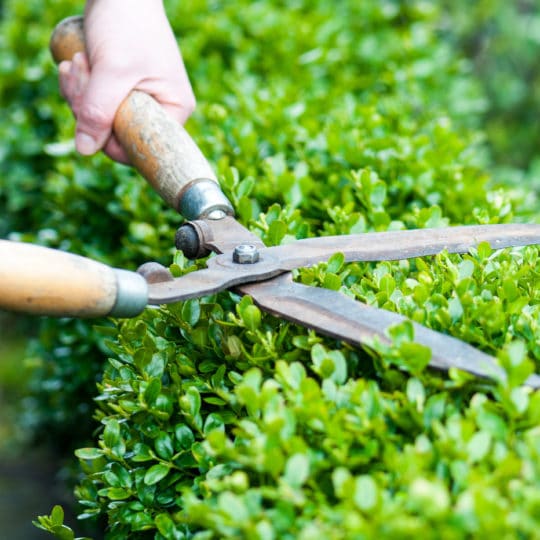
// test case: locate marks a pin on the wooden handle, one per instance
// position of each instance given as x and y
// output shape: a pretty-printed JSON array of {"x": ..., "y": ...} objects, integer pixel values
[
  {"x": 159, "y": 147},
  {"x": 43, "y": 281}
]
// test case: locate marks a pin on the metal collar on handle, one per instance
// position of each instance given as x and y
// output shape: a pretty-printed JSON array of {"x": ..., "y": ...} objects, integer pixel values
[{"x": 203, "y": 198}]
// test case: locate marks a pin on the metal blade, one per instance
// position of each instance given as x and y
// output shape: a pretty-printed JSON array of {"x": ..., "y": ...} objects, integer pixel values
[
  {"x": 396, "y": 245},
  {"x": 217, "y": 277},
  {"x": 223, "y": 273},
  {"x": 336, "y": 315},
  {"x": 222, "y": 236}
]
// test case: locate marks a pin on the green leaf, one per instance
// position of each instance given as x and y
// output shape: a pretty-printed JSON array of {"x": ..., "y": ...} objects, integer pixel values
[
  {"x": 335, "y": 263},
  {"x": 89, "y": 453},
  {"x": 191, "y": 401},
  {"x": 57, "y": 515},
  {"x": 245, "y": 187},
  {"x": 184, "y": 436},
  {"x": 141, "y": 453},
  {"x": 276, "y": 232},
  {"x": 156, "y": 366},
  {"x": 455, "y": 309},
  {"x": 416, "y": 393},
  {"x": 341, "y": 480},
  {"x": 416, "y": 357},
  {"x": 115, "y": 493},
  {"x": 378, "y": 194},
  {"x": 165, "y": 525},
  {"x": 111, "y": 433},
  {"x": 520, "y": 399},
  {"x": 141, "y": 522},
  {"x": 163, "y": 406},
  {"x": 164, "y": 446},
  {"x": 152, "y": 390},
  {"x": 251, "y": 316},
  {"x": 191, "y": 311},
  {"x": 329, "y": 364},
  {"x": 296, "y": 470},
  {"x": 484, "y": 250},
  {"x": 387, "y": 285},
  {"x": 214, "y": 401},
  {"x": 332, "y": 282},
  {"x": 213, "y": 421},
  {"x": 492, "y": 423},
  {"x": 233, "y": 506},
  {"x": 62, "y": 532},
  {"x": 401, "y": 333},
  {"x": 156, "y": 473},
  {"x": 478, "y": 446},
  {"x": 466, "y": 269},
  {"x": 365, "y": 493},
  {"x": 429, "y": 497}
]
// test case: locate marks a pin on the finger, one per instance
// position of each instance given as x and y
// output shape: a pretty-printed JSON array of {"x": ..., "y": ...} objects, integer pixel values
[
  {"x": 115, "y": 151},
  {"x": 64, "y": 69},
  {"x": 79, "y": 75},
  {"x": 102, "y": 97},
  {"x": 176, "y": 97},
  {"x": 80, "y": 70},
  {"x": 180, "y": 112},
  {"x": 73, "y": 77}
]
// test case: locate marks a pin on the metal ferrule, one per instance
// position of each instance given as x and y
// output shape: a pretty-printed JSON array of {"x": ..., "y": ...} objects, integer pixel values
[
  {"x": 132, "y": 294},
  {"x": 203, "y": 198}
]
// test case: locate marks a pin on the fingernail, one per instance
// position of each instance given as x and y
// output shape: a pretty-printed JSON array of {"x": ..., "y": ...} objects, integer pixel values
[
  {"x": 64, "y": 67},
  {"x": 85, "y": 144}
]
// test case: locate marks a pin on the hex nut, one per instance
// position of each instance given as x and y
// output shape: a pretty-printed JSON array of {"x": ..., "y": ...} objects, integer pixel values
[{"x": 245, "y": 254}]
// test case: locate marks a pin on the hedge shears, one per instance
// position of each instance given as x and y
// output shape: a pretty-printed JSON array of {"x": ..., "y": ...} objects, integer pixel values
[{"x": 44, "y": 281}]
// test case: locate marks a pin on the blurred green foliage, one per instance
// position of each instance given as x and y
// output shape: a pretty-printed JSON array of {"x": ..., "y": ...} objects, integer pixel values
[
  {"x": 53, "y": 197},
  {"x": 502, "y": 42},
  {"x": 216, "y": 420}
]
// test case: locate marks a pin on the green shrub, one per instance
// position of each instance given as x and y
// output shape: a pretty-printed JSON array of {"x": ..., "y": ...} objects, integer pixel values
[
  {"x": 501, "y": 41},
  {"x": 216, "y": 420},
  {"x": 53, "y": 197}
]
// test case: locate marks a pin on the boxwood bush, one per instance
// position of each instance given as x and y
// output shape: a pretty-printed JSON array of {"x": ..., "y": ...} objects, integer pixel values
[
  {"x": 212, "y": 419},
  {"x": 501, "y": 39}
]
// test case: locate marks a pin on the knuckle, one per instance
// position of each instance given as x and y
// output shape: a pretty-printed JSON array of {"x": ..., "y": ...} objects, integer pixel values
[{"x": 93, "y": 116}]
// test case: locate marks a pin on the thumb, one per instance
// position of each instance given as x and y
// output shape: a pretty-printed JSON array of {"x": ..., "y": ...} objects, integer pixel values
[{"x": 97, "y": 110}]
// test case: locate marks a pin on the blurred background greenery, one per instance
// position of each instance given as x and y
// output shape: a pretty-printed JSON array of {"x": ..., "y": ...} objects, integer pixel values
[
  {"x": 501, "y": 43},
  {"x": 45, "y": 399},
  {"x": 501, "y": 40}
]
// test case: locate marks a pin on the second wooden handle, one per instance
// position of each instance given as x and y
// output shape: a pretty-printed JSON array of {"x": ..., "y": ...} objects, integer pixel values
[
  {"x": 43, "y": 281},
  {"x": 159, "y": 147}
]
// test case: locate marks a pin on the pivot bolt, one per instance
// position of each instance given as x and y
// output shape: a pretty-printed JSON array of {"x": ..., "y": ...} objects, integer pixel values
[{"x": 245, "y": 254}]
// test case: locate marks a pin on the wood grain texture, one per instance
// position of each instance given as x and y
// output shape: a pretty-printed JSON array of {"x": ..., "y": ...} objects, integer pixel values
[
  {"x": 158, "y": 146},
  {"x": 44, "y": 281}
]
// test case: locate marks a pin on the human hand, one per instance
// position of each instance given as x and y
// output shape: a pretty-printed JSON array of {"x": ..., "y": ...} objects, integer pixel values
[{"x": 129, "y": 46}]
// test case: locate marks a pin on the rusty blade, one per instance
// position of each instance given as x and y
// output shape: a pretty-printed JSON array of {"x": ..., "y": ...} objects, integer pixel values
[
  {"x": 222, "y": 273},
  {"x": 222, "y": 236},
  {"x": 397, "y": 245},
  {"x": 336, "y": 315}
]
